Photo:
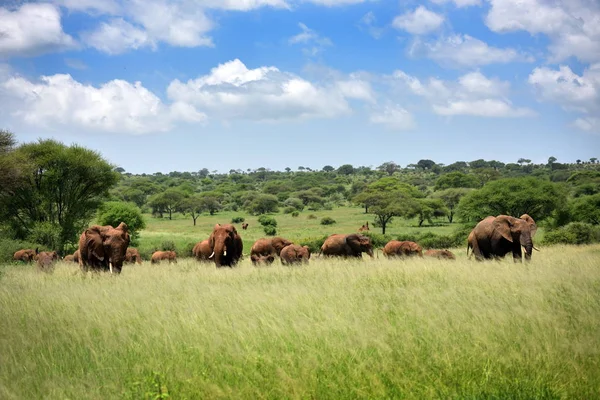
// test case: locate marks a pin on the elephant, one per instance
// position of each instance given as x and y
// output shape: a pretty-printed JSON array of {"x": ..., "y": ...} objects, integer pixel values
[
  {"x": 262, "y": 259},
  {"x": 103, "y": 248},
  {"x": 265, "y": 247},
  {"x": 396, "y": 248},
  {"x": 69, "y": 258},
  {"x": 76, "y": 256},
  {"x": 25, "y": 255},
  {"x": 159, "y": 256},
  {"x": 245, "y": 226},
  {"x": 202, "y": 251},
  {"x": 132, "y": 256},
  {"x": 446, "y": 254},
  {"x": 352, "y": 245},
  {"x": 494, "y": 237},
  {"x": 46, "y": 260},
  {"x": 365, "y": 227},
  {"x": 294, "y": 254},
  {"x": 226, "y": 245}
]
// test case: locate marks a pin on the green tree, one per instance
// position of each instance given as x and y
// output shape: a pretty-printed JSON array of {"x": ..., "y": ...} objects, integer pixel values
[
  {"x": 389, "y": 168},
  {"x": 115, "y": 212},
  {"x": 451, "y": 197},
  {"x": 389, "y": 204},
  {"x": 426, "y": 210},
  {"x": 328, "y": 168},
  {"x": 211, "y": 202},
  {"x": 512, "y": 196},
  {"x": 168, "y": 201},
  {"x": 425, "y": 164},
  {"x": 194, "y": 206},
  {"x": 60, "y": 185},
  {"x": 134, "y": 195},
  {"x": 456, "y": 179},
  {"x": 10, "y": 172},
  {"x": 345, "y": 169},
  {"x": 262, "y": 204},
  {"x": 586, "y": 209}
]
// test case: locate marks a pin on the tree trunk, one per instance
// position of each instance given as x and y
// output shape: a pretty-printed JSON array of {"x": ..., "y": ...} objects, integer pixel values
[
  {"x": 170, "y": 216},
  {"x": 194, "y": 218},
  {"x": 366, "y": 209}
]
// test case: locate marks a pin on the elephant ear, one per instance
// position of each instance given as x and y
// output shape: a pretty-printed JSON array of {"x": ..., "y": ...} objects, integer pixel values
[
  {"x": 531, "y": 223},
  {"x": 123, "y": 227},
  {"x": 503, "y": 225},
  {"x": 94, "y": 240}
]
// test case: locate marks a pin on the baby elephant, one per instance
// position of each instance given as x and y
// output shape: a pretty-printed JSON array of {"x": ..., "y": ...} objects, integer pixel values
[
  {"x": 262, "y": 259},
  {"x": 158, "y": 256},
  {"x": 245, "y": 226},
  {"x": 46, "y": 260},
  {"x": 445, "y": 254},
  {"x": 294, "y": 254}
]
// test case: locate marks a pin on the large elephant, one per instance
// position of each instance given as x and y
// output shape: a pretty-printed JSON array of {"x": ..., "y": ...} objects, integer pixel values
[
  {"x": 446, "y": 254},
  {"x": 261, "y": 259},
  {"x": 266, "y": 247},
  {"x": 76, "y": 256},
  {"x": 226, "y": 245},
  {"x": 46, "y": 260},
  {"x": 294, "y": 254},
  {"x": 494, "y": 237},
  {"x": 103, "y": 248},
  {"x": 352, "y": 245},
  {"x": 25, "y": 255},
  {"x": 396, "y": 248},
  {"x": 132, "y": 256},
  {"x": 159, "y": 256},
  {"x": 202, "y": 251}
]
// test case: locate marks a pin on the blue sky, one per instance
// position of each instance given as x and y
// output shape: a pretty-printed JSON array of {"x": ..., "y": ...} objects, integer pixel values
[{"x": 165, "y": 85}]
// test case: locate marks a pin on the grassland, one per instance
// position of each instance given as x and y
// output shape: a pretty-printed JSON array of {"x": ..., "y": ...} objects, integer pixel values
[{"x": 417, "y": 328}]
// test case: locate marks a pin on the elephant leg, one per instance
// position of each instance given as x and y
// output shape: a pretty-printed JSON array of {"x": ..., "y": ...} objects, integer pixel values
[{"x": 517, "y": 253}]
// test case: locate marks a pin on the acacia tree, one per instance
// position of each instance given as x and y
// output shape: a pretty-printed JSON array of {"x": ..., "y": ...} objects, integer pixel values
[
  {"x": 193, "y": 206},
  {"x": 451, "y": 198},
  {"x": 390, "y": 204},
  {"x": 58, "y": 186},
  {"x": 167, "y": 201}
]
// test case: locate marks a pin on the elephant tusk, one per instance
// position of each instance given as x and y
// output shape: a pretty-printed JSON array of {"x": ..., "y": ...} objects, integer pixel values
[
  {"x": 110, "y": 267},
  {"x": 225, "y": 253},
  {"x": 535, "y": 248},
  {"x": 212, "y": 255}
]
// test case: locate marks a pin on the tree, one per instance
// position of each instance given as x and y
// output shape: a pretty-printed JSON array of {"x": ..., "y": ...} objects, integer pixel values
[
  {"x": 451, "y": 198},
  {"x": 58, "y": 185},
  {"x": 10, "y": 172},
  {"x": 114, "y": 212},
  {"x": 262, "y": 204},
  {"x": 345, "y": 169},
  {"x": 389, "y": 167},
  {"x": 328, "y": 168},
  {"x": 211, "y": 202},
  {"x": 593, "y": 160},
  {"x": 134, "y": 195},
  {"x": 427, "y": 209},
  {"x": 456, "y": 179},
  {"x": 551, "y": 160},
  {"x": 513, "y": 196},
  {"x": 522, "y": 161},
  {"x": 425, "y": 164},
  {"x": 194, "y": 206},
  {"x": 168, "y": 201},
  {"x": 389, "y": 204},
  {"x": 586, "y": 209},
  {"x": 368, "y": 197}
]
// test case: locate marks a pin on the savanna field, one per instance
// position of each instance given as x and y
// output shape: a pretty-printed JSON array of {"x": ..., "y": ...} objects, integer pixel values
[{"x": 333, "y": 329}]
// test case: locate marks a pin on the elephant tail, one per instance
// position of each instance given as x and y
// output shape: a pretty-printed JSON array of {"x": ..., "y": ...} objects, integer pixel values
[{"x": 468, "y": 247}]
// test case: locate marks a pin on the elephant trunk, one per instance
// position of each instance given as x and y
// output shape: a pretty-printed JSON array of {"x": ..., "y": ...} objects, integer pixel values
[
  {"x": 218, "y": 253},
  {"x": 528, "y": 244},
  {"x": 370, "y": 252}
]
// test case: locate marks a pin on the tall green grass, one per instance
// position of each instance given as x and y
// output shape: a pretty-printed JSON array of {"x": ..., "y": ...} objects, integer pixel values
[{"x": 416, "y": 328}]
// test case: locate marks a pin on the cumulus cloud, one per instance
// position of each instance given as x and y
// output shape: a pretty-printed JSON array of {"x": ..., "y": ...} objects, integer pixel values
[
  {"x": 472, "y": 94},
  {"x": 459, "y": 3},
  {"x": 118, "y": 36},
  {"x": 394, "y": 118},
  {"x": 368, "y": 23},
  {"x": 31, "y": 30},
  {"x": 232, "y": 90},
  {"x": 312, "y": 41},
  {"x": 576, "y": 93},
  {"x": 573, "y": 26},
  {"x": 464, "y": 51},
  {"x": 418, "y": 22},
  {"x": 116, "y": 106}
]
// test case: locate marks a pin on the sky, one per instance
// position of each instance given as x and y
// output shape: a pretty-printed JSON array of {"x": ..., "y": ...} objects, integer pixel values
[{"x": 181, "y": 85}]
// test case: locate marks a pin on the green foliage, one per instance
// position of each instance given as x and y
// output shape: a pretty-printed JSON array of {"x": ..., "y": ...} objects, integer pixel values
[
  {"x": 313, "y": 243},
  {"x": 295, "y": 214},
  {"x": 270, "y": 230},
  {"x": 168, "y": 201},
  {"x": 311, "y": 216},
  {"x": 573, "y": 233},
  {"x": 378, "y": 240},
  {"x": 8, "y": 247},
  {"x": 586, "y": 209},
  {"x": 114, "y": 212},
  {"x": 58, "y": 184},
  {"x": 262, "y": 204},
  {"x": 451, "y": 197},
  {"x": 237, "y": 220},
  {"x": 151, "y": 387},
  {"x": 289, "y": 210},
  {"x": 327, "y": 221},
  {"x": 295, "y": 203},
  {"x": 512, "y": 196},
  {"x": 345, "y": 169},
  {"x": 265, "y": 220},
  {"x": 168, "y": 245},
  {"x": 45, "y": 233},
  {"x": 456, "y": 179}
]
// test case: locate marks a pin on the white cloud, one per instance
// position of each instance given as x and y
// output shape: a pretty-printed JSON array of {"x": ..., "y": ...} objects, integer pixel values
[
  {"x": 418, "y": 22},
  {"x": 333, "y": 3},
  {"x": 116, "y": 106},
  {"x": 472, "y": 94},
  {"x": 31, "y": 30},
  {"x": 573, "y": 26},
  {"x": 368, "y": 22},
  {"x": 92, "y": 6},
  {"x": 571, "y": 91},
  {"x": 357, "y": 89},
  {"x": 311, "y": 39},
  {"x": 118, "y": 36},
  {"x": 464, "y": 51},
  {"x": 394, "y": 118},
  {"x": 231, "y": 90},
  {"x": 459, "y": 3}
]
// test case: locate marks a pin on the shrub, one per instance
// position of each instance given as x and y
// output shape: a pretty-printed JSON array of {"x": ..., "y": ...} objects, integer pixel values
[
  {"x": 168, "y": 245},
  {"x": 8, "y": 247},
  {"x": 311, "y": 216},
  {"x": 314, "y": 206},
  {"x": 573, "y": 233},
  {"x": 45, "y": 233},
  {"x": 265, "y": 220},
  {"x": 270, "y": 230},
  {"x": 289, "y": 210},
  {"x": 114, "y": 212},
  {"x": 295, "y": 214},
  {"x": 328, "y": 206},
  {"x": 313, "y": 243},
  {"x": 188, "y": 249},
  {"x": 295, "y": 203},
  {"x": 237, "y": 220},
  {"x": 377, "y": 239},
  {"x": 327, "y": 221}
]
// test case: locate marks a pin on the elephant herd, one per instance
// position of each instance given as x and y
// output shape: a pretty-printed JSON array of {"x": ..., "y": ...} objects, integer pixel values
[{"x": 105, "y": 248}]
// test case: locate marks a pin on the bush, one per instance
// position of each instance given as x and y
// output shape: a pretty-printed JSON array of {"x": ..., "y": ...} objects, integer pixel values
[
  {"x": 295, "y": 214},
  {"x": 8, "y": 247},
  {"x": 45, "y": 233},
  {"x": 377, "y": 239},
  {"x": 311, "y": 216},
  {"x": 114, "y": 212},
  {"x": 327, "y": 221},
  {"x": 313, "y": 243},
  {"x": 573, "y": 233},
  {"x": 168, "y": 245},
  {"x": 188, "y": 250},
  {"x": 265, "y": 220},
  {"x": 270, "y": 230},
  {"x": 289, "y": 210},
  {"x": 295, "y": 203},
  {"x": 328, "y": 206},
  {"x": 314, "y": 206},
  {"x": 237, "y": 220}
]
